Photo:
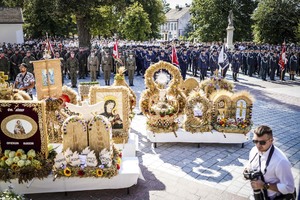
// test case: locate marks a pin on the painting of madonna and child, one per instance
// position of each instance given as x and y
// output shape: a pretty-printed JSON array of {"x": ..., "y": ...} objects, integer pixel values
[{"x": 115, "y": 104}]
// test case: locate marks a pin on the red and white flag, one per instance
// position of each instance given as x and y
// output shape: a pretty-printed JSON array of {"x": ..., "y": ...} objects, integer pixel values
[
  {"x": 115, "y": 50},
  {"x": 282, "y": 59},
  {"x": 174, "y": 56}
]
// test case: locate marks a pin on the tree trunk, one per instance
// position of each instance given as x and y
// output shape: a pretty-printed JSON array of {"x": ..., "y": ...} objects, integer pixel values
[{"x": 84, "y": 34}]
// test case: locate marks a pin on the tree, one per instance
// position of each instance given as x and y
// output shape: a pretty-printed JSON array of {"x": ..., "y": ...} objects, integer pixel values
[
  {"x": 276, "y": 21},
  {"x": 210, "y": 19},
  {"x": 40, "y": 16},
  {"x": 156, "y": 15},
  {"x": 166, "y": 6},
  {"x": 135, "y": 24}
]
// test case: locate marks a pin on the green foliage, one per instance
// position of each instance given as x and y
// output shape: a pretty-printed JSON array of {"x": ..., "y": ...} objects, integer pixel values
[
  {"x": 156, "y": 16},
  {"x": 136, "y": 25},
  {"x": 210, "y": 18},
  {"x": 276, "y": 21},
  {"x": 40, "y": 17},
  {"x": 104, "y": 21},
  {"x": 166, "y": 6},
  {"x": 12, "y": 3}
]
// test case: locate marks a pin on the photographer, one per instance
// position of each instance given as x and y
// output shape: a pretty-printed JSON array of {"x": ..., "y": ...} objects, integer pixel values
[{"x": 268, "y": 169}]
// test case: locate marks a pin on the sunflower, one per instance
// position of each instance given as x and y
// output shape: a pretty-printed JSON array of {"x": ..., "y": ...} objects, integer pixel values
[
  {"x": 19, "y": 154},
  {"x": 4, "y": 158},
  {"x": 99, "y": 172},
  {"x": 14, "y": 166},
  {"x": 67, "y": 172}
]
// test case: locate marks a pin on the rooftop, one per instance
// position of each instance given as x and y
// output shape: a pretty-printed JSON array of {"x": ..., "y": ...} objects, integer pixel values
[
  {"x": 11, "y": 16},
  {"x": 177, "y": 13}
]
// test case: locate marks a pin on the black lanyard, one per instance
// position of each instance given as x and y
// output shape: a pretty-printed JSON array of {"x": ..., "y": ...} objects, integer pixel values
[{"x": 268, "y": 160}]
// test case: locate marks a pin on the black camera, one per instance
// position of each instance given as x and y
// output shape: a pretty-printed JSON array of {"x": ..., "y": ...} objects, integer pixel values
[{"x": 252, "y": 175}]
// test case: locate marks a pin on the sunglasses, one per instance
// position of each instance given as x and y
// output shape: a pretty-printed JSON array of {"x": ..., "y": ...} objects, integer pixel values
[{"x": 262, "y": 142}]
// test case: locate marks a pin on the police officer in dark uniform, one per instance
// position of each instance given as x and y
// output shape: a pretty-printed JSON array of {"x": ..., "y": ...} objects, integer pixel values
[
  {"x": 236, "y": 62},
  {"x": 264, "y": 66},
  {"x": 273, "y": 65},
  {"x": 203, "y": 64},
  {"x": 183, "y": 63},
  {"x": 195, "y": 60}
]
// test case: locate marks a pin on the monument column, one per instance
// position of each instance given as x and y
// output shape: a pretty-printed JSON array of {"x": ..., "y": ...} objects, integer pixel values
[{"x": 230, "y": 30}]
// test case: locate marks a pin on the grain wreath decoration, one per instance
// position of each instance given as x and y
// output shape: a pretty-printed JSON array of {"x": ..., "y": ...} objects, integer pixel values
[
  {"x": 119, "y": 80},
  {"x": 194, "y": 123},
  {"x": 163, "y": 101},
  {"x": 215, "y": 83}
]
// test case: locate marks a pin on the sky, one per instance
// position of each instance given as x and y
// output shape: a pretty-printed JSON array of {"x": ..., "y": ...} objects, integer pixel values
[{"x": 173, "y": 3}]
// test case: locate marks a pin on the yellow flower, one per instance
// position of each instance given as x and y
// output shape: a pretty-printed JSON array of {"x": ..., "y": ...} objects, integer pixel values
[
  {"x": 99, "y": 172},
  {"x": 223, "y": 125},
  {"x": 67, "y": 172},
  {"x": 14, "y": 166},
  {"x": 30, "y": 158},
  {"x": 4, "y": 158},
  {"x": 119, "y": 160},
  {"x": 19, "y": 154}
]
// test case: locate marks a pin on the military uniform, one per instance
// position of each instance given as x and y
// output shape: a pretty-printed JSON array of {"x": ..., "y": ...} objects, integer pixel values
[
  {"x": 106, "y": 63},
  {"x": 4, "y": 65},
  {"x": 27, "y": 60},
  {"x": 273, "y": 66},
  {"x": 236, "y": 62},
  {"x": 131, "y": 65},
  {"x": 73, "y": 67},
  {"x": 15, "y": 61},
  {"x": 264, "y": 66},
  {"x": 93, "y": 65},
  {"x": 293, "y": 64},
  {"x": 203, "y": 65}
]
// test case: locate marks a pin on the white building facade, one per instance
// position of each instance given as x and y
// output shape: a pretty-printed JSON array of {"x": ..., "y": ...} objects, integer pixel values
[
  {"x": 176, "y": 22},
  {"x": 11, "y": 25}
]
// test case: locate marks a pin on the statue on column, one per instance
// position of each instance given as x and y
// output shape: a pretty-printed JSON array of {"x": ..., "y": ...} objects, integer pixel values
[{"x": 230, "y": 18}]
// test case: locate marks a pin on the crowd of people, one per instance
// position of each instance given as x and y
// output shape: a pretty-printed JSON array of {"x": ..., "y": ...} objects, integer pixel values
[{"x": 200, "y": 59}]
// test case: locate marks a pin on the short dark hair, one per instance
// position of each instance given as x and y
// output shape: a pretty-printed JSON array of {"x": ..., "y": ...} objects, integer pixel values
[{"x": 262, "y": 130}]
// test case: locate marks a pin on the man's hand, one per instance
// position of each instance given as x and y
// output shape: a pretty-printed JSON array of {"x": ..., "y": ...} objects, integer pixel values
[{"x": 257, "y": 185}]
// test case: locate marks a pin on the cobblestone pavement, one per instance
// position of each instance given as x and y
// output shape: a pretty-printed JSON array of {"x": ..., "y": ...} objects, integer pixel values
[{"x": 213, "y": 171}]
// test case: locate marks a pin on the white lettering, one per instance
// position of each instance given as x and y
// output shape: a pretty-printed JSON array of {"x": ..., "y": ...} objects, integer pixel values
[
  {"x": 13, "y": 143},
  {"x": 28, "y": 143},
  {"x": 19, "y": 110}
]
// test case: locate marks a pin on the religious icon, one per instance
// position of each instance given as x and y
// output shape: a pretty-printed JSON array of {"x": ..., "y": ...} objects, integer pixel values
[
  {"x": 19, "y": 129},
  {"x": 111, "y": 114},
  {"x": 241, "y": 109},
  {"x": 198, "y": 110}
]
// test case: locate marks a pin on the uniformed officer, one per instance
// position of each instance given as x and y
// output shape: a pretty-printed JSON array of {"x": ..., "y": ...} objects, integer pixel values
[
  {"x": 106, "y": 63},
  {"x": 264, "y": 66},
  {"x": 213, "y": 62},
  {"x": 93, "y": 65},
  {"x": 236, "y": 62},
  {"x": 73, "y": 67},
  {"x": 273, "y": 65},
  {"x": 27, "y": 60},
  {"x": 4, "y": 63},
  {"x": 293, "y": 64},
  {"x": 203, "y": 64},
  {"x": 15, "y": 60},
  {"x": 183, "y": 63},
  {"x": 131, "y": 67}
]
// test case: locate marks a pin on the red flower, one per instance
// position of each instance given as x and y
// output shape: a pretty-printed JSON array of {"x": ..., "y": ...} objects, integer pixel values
[
  {"x": 80, "y": 173},
  {"x": 120, "y": 154},
  {"x": 118, "y": 166}
]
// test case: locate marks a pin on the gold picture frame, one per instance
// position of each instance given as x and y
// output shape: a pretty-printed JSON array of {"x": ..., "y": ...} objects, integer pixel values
[
  {"x": 23, "y": 126},
  {"x": 48, "y": 78},
  {"x": 119, "y": 115}
]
